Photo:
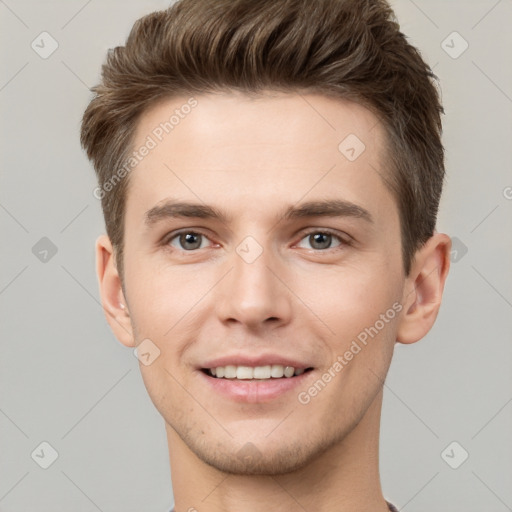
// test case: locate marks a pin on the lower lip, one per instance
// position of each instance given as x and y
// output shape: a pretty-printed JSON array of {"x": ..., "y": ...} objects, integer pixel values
[{"x": 254, "y": 391}]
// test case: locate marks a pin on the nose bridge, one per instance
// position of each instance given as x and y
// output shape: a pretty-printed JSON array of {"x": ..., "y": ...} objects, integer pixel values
[{"x": 253, "y": 293}]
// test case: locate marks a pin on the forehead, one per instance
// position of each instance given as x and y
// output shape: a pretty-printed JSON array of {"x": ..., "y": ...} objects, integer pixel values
[
  {"x": 276, "y": 147},
  {"x": 293, "y": 121}
]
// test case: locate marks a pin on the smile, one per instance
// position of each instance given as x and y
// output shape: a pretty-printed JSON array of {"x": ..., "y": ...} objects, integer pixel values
[{"x": 274, "y": 371}]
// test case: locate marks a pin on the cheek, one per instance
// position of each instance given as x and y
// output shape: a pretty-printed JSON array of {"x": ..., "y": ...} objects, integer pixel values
[
  {"x": 348, "y": 300},
  {"x": 160, "y": 298}
]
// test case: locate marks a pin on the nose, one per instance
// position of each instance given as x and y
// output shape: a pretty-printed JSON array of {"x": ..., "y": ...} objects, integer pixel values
[{"x": 254, "y": 292}]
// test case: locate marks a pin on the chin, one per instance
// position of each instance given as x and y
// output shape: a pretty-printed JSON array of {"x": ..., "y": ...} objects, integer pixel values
[
  {"x": 250, "y": 461},
  {"x": 262, "y": 457}
]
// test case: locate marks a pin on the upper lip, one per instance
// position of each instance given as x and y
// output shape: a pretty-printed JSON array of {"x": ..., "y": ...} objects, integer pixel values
[{"x": 260, "y": 360}]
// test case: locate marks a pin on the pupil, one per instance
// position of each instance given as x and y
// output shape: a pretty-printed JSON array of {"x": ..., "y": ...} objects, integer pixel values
[
  {"x": 322, "y": 239},
  {"x": 190, "y": 238}
]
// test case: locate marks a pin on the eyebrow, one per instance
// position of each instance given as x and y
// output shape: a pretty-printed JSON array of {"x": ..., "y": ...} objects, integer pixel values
[{"x": 324, "y": 208}]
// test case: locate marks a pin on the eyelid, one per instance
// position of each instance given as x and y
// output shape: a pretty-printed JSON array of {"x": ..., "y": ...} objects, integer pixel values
[
  {"x": 344, "y": 238},
  {"x": 166, "y": 239}
]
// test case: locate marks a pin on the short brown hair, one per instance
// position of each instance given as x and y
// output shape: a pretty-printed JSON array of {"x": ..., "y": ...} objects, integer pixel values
[{"x": 351, "y": 49}]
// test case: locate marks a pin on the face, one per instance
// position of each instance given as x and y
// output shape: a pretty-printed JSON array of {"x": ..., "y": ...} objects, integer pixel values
[{"x": 261, "y": 242}]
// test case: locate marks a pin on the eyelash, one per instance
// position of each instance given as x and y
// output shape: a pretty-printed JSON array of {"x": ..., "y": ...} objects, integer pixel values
[{"x": 343, "y": 241}]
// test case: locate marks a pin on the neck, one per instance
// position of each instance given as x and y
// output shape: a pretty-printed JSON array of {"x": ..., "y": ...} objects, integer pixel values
[{"x": 344, "y": 478}]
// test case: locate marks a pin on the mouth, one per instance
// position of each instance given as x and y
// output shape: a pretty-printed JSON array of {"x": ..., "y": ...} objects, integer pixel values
[
  {"x": 255, "y": 384},
  {"x": 255, "y": 373},
  {"x": 255, "y": 378}
]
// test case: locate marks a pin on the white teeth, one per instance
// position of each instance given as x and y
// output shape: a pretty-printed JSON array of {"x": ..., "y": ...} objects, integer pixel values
[
  {"x": 230, "y": 372},
  {"x": 244, "y": 372},
  {"x": 275, "y": 371},
  {"x": 289, "y": 371},
  {"x": 262, "y": 372}
]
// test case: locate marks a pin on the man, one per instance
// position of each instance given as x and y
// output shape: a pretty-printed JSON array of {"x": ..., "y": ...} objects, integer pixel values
[{"x": 270, "y": 173}]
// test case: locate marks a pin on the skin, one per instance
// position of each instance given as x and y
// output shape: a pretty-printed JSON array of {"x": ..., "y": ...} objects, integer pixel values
[{"x": 253, "y": 158}]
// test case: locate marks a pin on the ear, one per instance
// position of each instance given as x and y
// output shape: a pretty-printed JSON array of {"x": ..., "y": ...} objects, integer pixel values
[
  {"x": 423, "y": 288},
  {"x": 111, "y": 291}
]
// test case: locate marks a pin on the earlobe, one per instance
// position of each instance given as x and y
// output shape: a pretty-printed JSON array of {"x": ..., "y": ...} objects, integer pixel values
[
  {"x": 111, "y": 292},
  {"x": 423, "y": 289}
]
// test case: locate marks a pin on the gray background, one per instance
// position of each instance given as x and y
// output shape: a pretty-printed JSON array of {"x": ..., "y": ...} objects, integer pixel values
[{"x": 65, "y": 379}]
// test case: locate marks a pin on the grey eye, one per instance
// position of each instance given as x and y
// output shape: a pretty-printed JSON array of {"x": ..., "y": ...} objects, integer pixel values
[
  {"x": 188, "y": 241},
  {"x": 320, "y": 240}
]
